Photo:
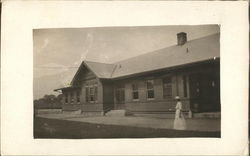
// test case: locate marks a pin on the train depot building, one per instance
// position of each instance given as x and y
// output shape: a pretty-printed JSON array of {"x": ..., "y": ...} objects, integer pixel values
[{"x": 147, "y": 84}]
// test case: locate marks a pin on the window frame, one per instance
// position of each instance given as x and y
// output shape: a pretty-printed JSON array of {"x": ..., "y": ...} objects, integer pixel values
[
  {"x": 120, "y": 90},
  {"x": 135, "y": 91},
  {"x": 150, "y": 89},
  {"x": 94, "y": 95},
  {"x": 91, "y": 94}
]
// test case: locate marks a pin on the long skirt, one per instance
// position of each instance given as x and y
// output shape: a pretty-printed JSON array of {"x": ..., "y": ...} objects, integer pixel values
[{"x": 179, "y": 121}]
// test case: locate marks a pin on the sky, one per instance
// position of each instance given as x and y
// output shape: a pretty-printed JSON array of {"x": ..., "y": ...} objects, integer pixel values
[{"x": 61, "y": 51}]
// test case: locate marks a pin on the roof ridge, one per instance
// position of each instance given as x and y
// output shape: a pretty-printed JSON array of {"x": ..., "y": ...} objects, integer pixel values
[{"x": 97, "y": 62}]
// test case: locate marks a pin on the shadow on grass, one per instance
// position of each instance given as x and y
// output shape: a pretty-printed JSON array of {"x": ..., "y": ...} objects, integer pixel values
[{"x": 54, "y": 128}]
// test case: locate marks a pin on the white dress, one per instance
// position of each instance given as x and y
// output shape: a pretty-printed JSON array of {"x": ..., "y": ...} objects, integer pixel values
[{"x": 179, "y": 121}]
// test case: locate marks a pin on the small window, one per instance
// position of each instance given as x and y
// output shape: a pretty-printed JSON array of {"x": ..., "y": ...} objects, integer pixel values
[
  {"x": 167, "y": 88},
  {"x": 135, "y": 92},
  {"x": 91, "y": 93},
  {"x": 150, "y": 89},
  {"x": 95, "y": 94},
  {"x": 66, "y": 98}
]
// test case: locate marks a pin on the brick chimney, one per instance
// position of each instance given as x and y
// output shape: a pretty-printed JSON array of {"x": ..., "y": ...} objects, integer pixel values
[{"x": 181, "y": 38}]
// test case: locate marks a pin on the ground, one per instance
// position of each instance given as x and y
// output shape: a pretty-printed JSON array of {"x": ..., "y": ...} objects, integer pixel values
[
  {"x": 57, "y": 128},
  {"x": 193, "y": 124}
]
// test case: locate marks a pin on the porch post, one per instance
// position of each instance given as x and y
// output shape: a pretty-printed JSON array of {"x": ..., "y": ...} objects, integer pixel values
[
  {"x": 176, "y": 83},
  {"x": 114, "y": 96}
]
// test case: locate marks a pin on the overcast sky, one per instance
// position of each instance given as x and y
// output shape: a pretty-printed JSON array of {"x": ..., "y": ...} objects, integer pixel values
[{"x": 63, "y": 48}]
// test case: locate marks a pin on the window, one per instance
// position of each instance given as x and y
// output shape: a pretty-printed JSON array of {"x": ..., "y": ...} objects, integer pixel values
[
  {"x": 120, "y": 94},
  {"x": 87, "y": 94},
  {"x": 66, "y": 98},
  {"x": 91, "y": 93},
  {"x": 95, "y": 94},
  {"x": 78, "y": 96},
  {"x": 135, "y": 92},
  {"x": 185, "y": 85},
  {"x": 71, "y": 97},
  {"x": 150, "y": 89},
  {"x": 167, "y": 88}
]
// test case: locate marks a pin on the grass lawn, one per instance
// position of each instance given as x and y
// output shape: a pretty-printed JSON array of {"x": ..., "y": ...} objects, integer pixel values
[{"x": 54, "y": 128}]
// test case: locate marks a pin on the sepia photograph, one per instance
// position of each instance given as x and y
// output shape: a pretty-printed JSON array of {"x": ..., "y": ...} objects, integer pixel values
[
  {"x": 125, "y": 78},
  {"x": 127, "y": 82}
]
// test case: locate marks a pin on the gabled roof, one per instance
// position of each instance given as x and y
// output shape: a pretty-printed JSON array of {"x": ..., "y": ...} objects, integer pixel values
[
  {"x": 198, "y": 50},
  {"x": 193, "y": 51},
  {"x": 101, "y": 70}
]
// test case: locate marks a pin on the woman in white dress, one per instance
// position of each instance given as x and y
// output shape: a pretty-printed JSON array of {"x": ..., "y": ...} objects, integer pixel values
[{"x": 179, "y": 121}]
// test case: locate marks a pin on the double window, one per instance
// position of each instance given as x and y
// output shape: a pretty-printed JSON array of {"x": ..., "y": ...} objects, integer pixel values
[
  {"x": 70, "y": 97},
  {"x": 135, "y": 91},
  {"x": 91, "y": 93},
  {"x": 150, "y": 89},
  {"x": 167, "y": 88}
]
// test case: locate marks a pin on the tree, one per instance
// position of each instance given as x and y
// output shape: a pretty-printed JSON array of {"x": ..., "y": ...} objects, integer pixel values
[{"x": 49, "y": 102}]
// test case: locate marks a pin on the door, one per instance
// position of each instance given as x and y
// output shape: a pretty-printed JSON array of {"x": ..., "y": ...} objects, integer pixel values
[
  {"x": 210, "y": 93},
  {"x": 120, "y": 97},
  {"x": 204, "y": 92},
  {"x": 194, "y": 92}
]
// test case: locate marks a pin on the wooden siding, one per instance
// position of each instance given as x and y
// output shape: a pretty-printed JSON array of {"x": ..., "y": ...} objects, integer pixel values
[
  {"x": 158, "y": 89},
  {"x": 106, "y": 91},
  {"x": 95, "y": 105},
  {"x": 92, "y": 107},
  {"x": 86, "y": 74},
  {"x": 152, "y": 105},
  {"x": 68, "y": 92},
  {"x": 155, "y": 106},
  {"x": 71, "y": 107},
  {"x": 87, "y": 83},
  {"x": 159, "y": 103},
  {"x": 180, "y": 84},
  {"x": 87, "y": 78},
  {"x": 128, "y": 92}
]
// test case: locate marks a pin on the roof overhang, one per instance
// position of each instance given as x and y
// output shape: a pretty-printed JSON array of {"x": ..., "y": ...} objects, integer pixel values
[
  {"x": 67, "y": 88},
  {"x": 172, "y": 68}
]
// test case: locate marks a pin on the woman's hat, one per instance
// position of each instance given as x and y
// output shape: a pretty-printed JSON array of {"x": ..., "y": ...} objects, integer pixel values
[{"x": 177, "y": 97}]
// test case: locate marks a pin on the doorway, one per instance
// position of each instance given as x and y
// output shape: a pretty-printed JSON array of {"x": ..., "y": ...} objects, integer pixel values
[
  {"x": 120, "y": 97},
  {"x": 204, "y": 92}
]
